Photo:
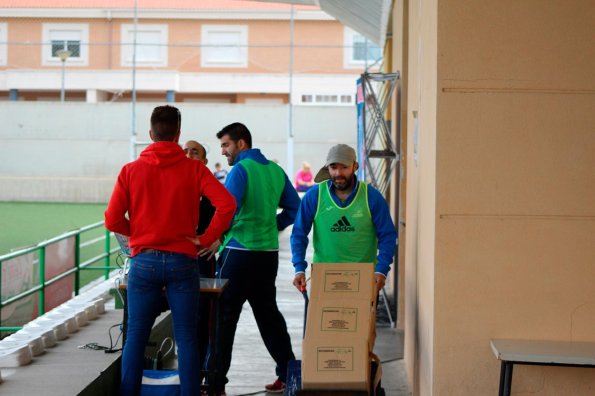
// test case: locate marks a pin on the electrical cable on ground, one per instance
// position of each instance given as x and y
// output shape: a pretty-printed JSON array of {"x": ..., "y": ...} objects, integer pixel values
[{"x": 111, "y": 349}]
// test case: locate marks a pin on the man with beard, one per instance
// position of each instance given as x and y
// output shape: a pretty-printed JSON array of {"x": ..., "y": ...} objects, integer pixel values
[
  {"x": 351, "y": 220},
  {"x": 249, "y": 255}
]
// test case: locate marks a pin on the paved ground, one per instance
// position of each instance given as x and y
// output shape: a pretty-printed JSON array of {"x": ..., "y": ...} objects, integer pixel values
[
  {"x": 67, "y": 370},
  {"x": 252, "y": 367}
]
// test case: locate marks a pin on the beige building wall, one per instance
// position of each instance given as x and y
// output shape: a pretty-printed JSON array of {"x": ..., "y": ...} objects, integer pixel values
[
  {"x": 500, "y": 190},
  {"x": 318, "y": 45},
  {"x": 420, "y": 212},
  {"x": 398, "y": 46},
  {"x": 23, "y": 56}
]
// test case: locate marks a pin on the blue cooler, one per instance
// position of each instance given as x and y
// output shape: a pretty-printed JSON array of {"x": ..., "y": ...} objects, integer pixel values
[{"x": 160, "y": 383}]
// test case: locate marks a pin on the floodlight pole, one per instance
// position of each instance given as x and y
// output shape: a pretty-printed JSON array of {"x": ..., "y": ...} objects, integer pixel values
[
  {"x": 290, "y": 99},
  {"x": 133, "y": 115}
]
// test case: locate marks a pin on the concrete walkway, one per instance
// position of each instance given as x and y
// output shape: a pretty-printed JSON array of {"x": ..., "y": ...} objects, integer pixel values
[
  {"x": 65, "y": 369},
  {"x": 252, "y": 367}
]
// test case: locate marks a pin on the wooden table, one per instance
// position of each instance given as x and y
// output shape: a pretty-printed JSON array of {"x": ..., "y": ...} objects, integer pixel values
[{"x": 212, "y": 288}]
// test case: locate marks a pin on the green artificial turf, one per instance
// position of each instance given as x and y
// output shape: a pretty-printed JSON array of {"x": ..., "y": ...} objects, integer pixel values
[
  {"x": 26, "y": 224},
  {"x": 23, "y": 224}
]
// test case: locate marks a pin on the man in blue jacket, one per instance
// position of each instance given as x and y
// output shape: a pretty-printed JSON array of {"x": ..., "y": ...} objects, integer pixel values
[
  {"x": 351, "y": 220},
  {"x": 250, "y": 250}
]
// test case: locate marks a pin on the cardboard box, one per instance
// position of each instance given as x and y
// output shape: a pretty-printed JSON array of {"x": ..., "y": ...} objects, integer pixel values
[
  {"x": 343, "y": 280},
  {"x": 340, "y": 317},
  {"x": 340, "y": 327},
  {"x": 336, "y": 363}
]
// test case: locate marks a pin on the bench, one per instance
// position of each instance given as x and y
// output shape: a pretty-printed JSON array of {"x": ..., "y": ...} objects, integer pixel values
[{"x": 541, "y": 353}]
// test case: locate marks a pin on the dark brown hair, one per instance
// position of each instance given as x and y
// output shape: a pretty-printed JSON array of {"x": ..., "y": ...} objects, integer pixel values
[
  {"x": 236, "y": 132},
  {"x": 165, "y": 123}
]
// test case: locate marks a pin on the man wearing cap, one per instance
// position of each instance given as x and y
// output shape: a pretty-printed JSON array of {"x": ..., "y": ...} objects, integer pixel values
[{"x": 351, "y": 220}]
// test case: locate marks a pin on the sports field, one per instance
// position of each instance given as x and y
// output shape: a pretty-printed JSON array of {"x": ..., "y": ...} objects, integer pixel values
[{"x": 24, "y": 224}]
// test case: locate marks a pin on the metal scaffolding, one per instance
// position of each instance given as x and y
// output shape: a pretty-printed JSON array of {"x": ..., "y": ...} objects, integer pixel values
[{"x": 381, "y": 150}]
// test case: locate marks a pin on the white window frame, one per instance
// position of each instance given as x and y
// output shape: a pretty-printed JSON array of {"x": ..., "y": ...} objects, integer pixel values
[
  {"x": 317, "y": 99},
  {"x": 206, "y": 59},
  {"x": 79, "y": 31},
  {"x": 3, "y": 44},
  {"x": 351, "y": 101},
  {"x": 348, "y": 61},
  {"x": 127, "y": 40}
]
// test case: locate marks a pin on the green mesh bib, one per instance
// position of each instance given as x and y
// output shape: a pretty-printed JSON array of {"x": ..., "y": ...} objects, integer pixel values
[
  {"x": 344, "y": 235},
  {"x": 255, "y": 224}
]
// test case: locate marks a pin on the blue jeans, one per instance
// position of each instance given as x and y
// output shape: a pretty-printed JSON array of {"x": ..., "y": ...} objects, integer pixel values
[{"x": 149, "y": 273}]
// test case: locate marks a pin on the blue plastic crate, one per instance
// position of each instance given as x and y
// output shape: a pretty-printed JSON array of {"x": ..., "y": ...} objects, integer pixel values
[{"x": 294, "y": 378}]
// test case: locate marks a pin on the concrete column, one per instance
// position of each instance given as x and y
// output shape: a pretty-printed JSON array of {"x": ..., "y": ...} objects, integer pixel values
[
  {"x": 94, "y": 96},
  {"x": 170, "y": 96}
]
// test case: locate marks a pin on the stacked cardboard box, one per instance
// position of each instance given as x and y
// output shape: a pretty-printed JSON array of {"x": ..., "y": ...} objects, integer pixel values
[{"x": 340, "y": 327}]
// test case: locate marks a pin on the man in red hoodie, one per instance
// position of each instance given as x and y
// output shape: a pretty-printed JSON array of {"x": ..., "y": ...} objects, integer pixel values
[{"x": 155, "y": 202}]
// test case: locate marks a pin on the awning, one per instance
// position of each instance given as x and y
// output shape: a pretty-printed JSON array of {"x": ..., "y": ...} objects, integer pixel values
[{"x": 369, "y": 18}]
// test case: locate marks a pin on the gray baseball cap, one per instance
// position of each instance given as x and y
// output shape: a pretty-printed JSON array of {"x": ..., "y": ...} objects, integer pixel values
[{"x": 338, "y": 154}]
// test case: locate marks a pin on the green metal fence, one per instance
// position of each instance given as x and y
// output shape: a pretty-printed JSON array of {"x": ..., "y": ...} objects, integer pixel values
[{"x": 70, "y": 261}]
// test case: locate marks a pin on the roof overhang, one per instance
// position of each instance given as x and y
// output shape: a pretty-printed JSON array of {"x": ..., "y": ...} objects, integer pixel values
[{"x": 369, "y": 18}]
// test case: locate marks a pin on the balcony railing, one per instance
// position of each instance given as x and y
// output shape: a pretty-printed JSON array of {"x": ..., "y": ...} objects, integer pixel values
[{"x": 36, "y": 279}]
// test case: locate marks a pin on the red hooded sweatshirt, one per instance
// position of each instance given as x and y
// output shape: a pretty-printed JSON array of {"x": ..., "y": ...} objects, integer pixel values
[{"x": 161, "y": 193}]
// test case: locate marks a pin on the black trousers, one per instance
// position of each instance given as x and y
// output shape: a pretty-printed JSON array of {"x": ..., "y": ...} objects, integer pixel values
[
  {"x": 252, "y": 277},
  {"x": 207, "y": 270}
]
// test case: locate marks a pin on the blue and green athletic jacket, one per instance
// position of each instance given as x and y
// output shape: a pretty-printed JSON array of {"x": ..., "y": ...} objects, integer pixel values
[
  {"x": 385, "y": 229},
  {"x": 236, "y": 183}
]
